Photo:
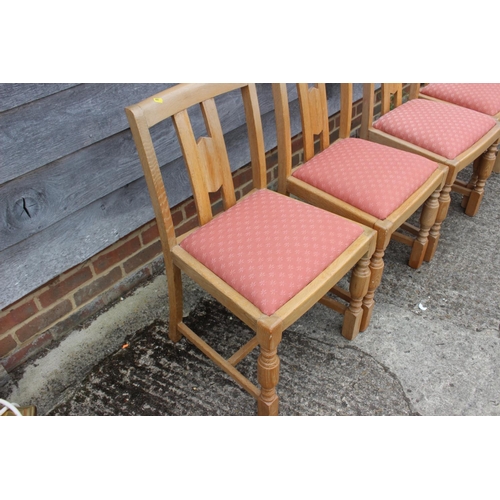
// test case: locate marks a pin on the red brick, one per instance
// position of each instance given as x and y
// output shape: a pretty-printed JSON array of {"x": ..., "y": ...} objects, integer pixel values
[
  {"x": 296, "y": 159},
  {"x": 356, "y": 122},
  {"x": 6, "y": 345},
  {"x": 246, "y": 189},
  {"x": 62, "y": 288},
  {"x": 297, "y": 144},
  {"x": 190, "y": 209},
  {"x": 97, "y": 286},
  {"x": 109, "y": 259},
  {"x": 42, "y": 321},
  {"x": 142, "y": 257},
  {"x": 272, "y": 159},
  {"x": 20, "y": 356},
  {"x": 216, "y": 196},
  {"x": 242, "y": 176},
  {"x": 150, "y": 234},
  {"x": 187, "y": 226},
  {"x": 17, "y": 315},
  {"x": 177, "y": 216},
  {"x": 217, "y": 207}
]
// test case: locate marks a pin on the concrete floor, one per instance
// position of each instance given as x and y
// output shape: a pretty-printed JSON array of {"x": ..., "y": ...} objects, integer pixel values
[{"x": 432, "y": 348}]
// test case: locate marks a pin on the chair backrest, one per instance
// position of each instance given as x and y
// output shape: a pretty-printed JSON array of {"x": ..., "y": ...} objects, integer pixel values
[
  {"x": 205, "y": 157},
  {"x": 313, "y": 107}
]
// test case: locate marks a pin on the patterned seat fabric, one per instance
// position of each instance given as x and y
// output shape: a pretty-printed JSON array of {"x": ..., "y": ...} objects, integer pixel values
[
  {"x": 482, "y": 97},
  {"x": 374, "y": 178},
  {"x": 438, "y": 127},
  {"x": 268, "y": 247}
]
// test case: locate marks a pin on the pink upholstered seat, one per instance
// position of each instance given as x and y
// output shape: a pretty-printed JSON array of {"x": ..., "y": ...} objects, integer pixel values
[
  {"x": 268, "y": 247},
  {"x": 482, "y": 97},
  {"x": 374, "y": 178},
  {"x": 438, "y": 127}
]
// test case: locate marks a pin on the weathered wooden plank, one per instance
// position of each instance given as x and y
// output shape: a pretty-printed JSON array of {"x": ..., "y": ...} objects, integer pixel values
[
  {"x": 58, "y": 125},
  {"x": 41, "y": 198},
  {"x": 17, "y": 94},
  {"x": 48, "y": 129}
]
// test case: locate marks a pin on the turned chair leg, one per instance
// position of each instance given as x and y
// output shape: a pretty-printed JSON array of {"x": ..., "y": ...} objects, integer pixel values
[
  {"x": 174, "y": 281},
  {"x": 444, "y": 205},
  {"x": 484, "y": 171},
  {"x": 376, "y": 271},
  {"x": 427, "y": 221},
  {"x": 269, "y": 333},
  {"x": 472, "y": 181},
  {"x": 360, "y": 280}
]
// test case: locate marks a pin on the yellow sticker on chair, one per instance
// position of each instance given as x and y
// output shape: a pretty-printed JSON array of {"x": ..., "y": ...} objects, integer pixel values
[{"x": 158, "y": 99}]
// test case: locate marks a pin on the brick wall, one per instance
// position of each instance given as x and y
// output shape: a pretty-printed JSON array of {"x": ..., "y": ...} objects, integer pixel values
[{"x": 52, "y": 311}]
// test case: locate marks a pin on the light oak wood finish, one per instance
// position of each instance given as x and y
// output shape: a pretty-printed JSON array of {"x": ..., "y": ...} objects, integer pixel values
[
  {"x": 314, "y": 116},
  {"x": 481, "y": 154},
  {"x": 209, "y": 170}
]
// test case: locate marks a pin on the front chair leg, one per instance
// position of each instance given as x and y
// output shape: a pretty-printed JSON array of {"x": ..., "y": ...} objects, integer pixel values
[
  {"x": 376, "y": 271},
  {"x": 435, "y": 232},
  {"x": 484, "y": 171},
  {"x": 269, "y": 333},
  {"x": 360, "y": 281}
]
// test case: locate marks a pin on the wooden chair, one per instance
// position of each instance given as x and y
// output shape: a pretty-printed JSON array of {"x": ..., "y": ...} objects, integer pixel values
[
  {"x": 375, "y": 185},
  {"x": 266, "y": 257},
  {"x": 451, "y": 135},
  {"x": 482, "y": 97}
]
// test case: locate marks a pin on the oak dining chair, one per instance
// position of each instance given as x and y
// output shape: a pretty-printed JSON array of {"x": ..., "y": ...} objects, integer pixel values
[
  {"x": 482, "y": 97},
  {"x": 452, "y": 135},
  {"x": 378, "y": 186},
  {"x": 267, "y": 258}
]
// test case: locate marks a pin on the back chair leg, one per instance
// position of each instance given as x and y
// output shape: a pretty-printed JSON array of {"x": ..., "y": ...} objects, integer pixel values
[
  {"x": 268, "y": 366},
  {"x": 496, "y": 167},
  {"x": 360, "y": 280},
  {"x": 174, "y": 280},
  {"x": 427, "y": 222},
  {"x": 484, "y": 171}
]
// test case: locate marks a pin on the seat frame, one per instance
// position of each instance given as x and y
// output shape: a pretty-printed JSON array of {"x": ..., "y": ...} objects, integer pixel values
[
  {"x": 482, "y": 154},
  {"x": 315, "y": 123},
  {"x": 208, "y": 166}
]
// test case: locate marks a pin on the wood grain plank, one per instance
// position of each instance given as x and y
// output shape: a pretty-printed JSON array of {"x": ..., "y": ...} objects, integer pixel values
[
  {"x": 60, "y": 124},
  {"x": 17, "y": 94},
  {"x": 46, "y": 130}
]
